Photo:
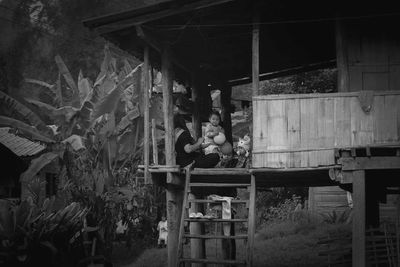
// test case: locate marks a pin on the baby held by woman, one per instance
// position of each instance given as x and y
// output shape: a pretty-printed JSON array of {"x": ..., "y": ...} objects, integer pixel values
[{"x": 214, "y": 134}]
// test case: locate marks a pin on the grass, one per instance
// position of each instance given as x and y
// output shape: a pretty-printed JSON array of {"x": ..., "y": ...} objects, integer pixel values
[{"x": 283, "y": 244}]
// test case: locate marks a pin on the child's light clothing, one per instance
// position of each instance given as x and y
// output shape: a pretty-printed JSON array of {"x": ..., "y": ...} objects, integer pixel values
[
  {"x": 162, "y": 228},
  {"x": 213, "y": 148}
]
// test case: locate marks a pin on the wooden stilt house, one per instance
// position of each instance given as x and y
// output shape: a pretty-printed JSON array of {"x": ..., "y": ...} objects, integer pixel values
[{"x": 350, "y": 137}]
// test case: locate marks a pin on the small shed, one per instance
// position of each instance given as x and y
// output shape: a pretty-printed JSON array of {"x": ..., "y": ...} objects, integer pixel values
[
  {"x": 327, "y": 199},
  {"x": 17, "y": 152}
]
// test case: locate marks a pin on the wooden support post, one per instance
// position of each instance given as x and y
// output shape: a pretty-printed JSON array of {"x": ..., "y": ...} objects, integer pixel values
[
  {"x": 252, "y": 221},
  {"x": 341, "y": 58},
  {"x": 167, "y": 79},
  {"x": 197, "y": 246},
  {"x": 359, "y": 219},
  {"x": 255, "y": 60},
  {"x": 226, "y": 93},
  {"x": 174, "y": 213},
  {"x": 146, "y": 101},
  {"x": 196, "y": 119},
  {"x": 174, "y": 195},
  {"x": 154, "y": 139},
  {"x": 255, "y": 54}
]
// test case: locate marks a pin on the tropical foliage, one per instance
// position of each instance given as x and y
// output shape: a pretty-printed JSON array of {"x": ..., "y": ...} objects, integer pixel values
[
  {"x": 29, "y": 231},
  {"x": 92, "y": 129}
]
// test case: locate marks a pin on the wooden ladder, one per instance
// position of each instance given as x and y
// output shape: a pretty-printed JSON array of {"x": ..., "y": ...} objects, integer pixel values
[{"x": 249, "y": 237}]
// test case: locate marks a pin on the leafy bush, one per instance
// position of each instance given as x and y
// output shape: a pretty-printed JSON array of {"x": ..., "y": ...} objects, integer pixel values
[{"x": 34, "y": 235}]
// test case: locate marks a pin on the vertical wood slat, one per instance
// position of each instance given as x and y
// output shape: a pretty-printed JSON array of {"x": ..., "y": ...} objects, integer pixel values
[
  {"x": 304, "y": 129},
  {"x": 277, "y": 136},
  {"x": 362, "y": 124},
  {"x": 146, "y": 101},
  {"x": 154, "y": 141},
  {"x": 326, "y": 131},
  {"x": 342, "y": 122},
  {"x": 358, "y": 219},
  {"x": 293, "y": 128},
  {"x": 260, "y": 130}
]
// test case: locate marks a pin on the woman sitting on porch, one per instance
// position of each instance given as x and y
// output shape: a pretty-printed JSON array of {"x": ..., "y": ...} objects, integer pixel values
[{"x": 188, "y": 150}]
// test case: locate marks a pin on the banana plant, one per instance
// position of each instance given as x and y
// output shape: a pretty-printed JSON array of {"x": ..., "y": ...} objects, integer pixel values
[
  {"x": 30, "y": 232},
  {"x": 92, "y": 106}
]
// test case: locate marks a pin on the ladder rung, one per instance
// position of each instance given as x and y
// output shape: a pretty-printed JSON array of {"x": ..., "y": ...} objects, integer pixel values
[
  {"x": 218, "y": 185},
  {"x": 212, "y": 261},
  {"x": 217, "y": 201},
  {"x": 216, "y": 236},
  {"x": 214, "y": 220}
]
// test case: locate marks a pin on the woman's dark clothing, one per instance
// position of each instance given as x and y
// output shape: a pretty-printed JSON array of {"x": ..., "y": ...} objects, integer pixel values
[
  {"x": 183, "y": 159},
  {"x": 200, "y": 161}
]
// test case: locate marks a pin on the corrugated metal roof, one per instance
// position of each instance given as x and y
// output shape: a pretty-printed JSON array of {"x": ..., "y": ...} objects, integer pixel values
[{"x": 19, "y": 145}]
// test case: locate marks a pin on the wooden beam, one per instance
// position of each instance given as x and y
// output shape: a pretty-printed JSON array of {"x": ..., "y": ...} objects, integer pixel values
[
  {"x": 172, "y": 10},
  {"x": 226, "y": 93},
  {"x": 154, "y": 42},
  {"x": 358, "y": 219},
  {"x": 369, "y": 163},
  {"x": 154, "y": 141},
  {"x": 146, "y": 104},
  {"x": 255, "y": 53},
  {"x": 281, "y": 73}
]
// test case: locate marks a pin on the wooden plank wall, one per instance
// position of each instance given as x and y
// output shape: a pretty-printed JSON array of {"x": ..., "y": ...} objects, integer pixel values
[
  {"x": 298, "y": 131},
  {"x": 368, "y": 55},
  {"x": 326, "y": 199}
]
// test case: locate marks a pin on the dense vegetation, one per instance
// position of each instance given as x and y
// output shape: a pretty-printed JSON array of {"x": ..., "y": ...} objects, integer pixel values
[{"x": 66, "y": 88}]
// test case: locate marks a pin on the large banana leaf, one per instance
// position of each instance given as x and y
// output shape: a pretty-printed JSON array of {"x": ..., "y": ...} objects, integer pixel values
[
  {"x": 62, "y": 114},
  {"x": 53, "y": 88},
  {"x": 127, "y": 119},
  {"x": 57, "y": 88},
  {"x": 84, "y": 87},
  {"x": 70, "y": 81},
  {"x": 100, "y": 89},
  {"x": 36, "y": 165},
  {"x": 25, "y": 128},
  {"x": 108, "y": 65},
  {"x": 109, "y": 103},
  {"x": 14, "y": 107},
  {"x": 41, "y": 83},
  {"x": 109, "y": 127}
]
